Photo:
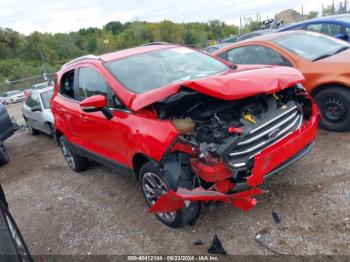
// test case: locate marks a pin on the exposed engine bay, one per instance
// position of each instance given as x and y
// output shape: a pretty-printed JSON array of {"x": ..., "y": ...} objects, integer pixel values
[{"x": 231, "y": 133}]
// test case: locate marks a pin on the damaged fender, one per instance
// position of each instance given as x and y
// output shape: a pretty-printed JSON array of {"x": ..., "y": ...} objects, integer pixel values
[{"x": 172, "y": 201}]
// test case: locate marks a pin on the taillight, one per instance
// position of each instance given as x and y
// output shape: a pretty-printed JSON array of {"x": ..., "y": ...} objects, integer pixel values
[{"x": 26, "y": 95}]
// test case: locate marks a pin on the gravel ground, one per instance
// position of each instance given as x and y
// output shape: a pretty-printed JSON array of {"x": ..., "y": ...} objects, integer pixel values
[{"x": 102, "y": 212}]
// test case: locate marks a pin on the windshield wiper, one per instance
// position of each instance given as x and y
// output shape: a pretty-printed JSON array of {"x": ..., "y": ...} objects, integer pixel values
[{"x": 330, "y": 54}]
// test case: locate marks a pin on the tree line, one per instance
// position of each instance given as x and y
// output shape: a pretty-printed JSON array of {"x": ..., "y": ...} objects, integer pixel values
[{"x": 23, "y": 56}]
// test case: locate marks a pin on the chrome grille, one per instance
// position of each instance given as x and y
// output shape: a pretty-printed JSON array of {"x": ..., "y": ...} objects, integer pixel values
[{"x": 282, "y": 122}]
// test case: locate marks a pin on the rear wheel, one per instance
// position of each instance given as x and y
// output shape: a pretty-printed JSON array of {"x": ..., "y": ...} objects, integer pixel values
[
  {"x": 52, "y": 130},
  {"x": 154, "y": 184},
  {"x": 75, "y": 162},
  {"x": 334, "y": 104},
  {"x": 31, "y": 130}
]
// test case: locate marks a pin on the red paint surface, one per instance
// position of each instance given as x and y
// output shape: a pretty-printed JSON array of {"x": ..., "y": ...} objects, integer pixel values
[
  {"x": 275, "y": 155},
  {"x": 140, "y": 132},
  {"x": 171, "y": 201}
]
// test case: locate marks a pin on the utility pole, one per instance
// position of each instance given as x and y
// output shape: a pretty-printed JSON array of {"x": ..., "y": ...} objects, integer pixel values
[
  {"x": 322, "y": 10},
  {"x": 42, "y": 58},
  {"x": 240, "y": 25}
]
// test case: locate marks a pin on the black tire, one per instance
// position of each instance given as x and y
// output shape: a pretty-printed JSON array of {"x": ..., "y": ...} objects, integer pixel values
[
  {"x": 75, "y": 162},
  {"x": 180, "y": 217},
  {"x": 334, "y": 104},
  {"x": 52, "y": 130},
  {"x": 31, "y": 130},
  {"x": 4, "y": 157}
]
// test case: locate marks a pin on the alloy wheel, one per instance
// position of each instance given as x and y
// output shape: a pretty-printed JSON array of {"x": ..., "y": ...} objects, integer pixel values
[
  {"x": 67, "y": 154},
  {"x": 153, "y": 187}
]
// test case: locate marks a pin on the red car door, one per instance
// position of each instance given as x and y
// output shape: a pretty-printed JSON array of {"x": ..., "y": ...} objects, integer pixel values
[
  {"x": 104, "y": 138},
  {"x": 65, "y": 106}
]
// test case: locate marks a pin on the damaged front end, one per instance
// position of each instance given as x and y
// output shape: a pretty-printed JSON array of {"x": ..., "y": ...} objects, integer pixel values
[{"x": 227, "y": 148}]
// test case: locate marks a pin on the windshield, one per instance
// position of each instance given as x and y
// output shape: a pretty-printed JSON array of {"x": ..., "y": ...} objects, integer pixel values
[
  {"x": 151, "y": 70},
  {"x": 45, "y": 98},
  {"x": 309, "y": 45}
]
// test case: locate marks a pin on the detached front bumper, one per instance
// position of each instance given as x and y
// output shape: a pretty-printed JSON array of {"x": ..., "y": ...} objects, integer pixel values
[
  {"x": 172, "y": 201},
  {"x": 270, "y": 161}
]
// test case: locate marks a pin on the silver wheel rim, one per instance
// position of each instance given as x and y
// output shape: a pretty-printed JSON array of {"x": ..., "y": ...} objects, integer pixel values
[
  {"x": 67, "y": 155},
  {"x": 153, "y": 187}
]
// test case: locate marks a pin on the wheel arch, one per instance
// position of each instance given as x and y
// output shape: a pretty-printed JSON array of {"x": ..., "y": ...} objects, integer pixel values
[
  {"x": 58, "y": 134},
  {"x": 138, "y": 161},
  {"x": 322, "y": 87}
]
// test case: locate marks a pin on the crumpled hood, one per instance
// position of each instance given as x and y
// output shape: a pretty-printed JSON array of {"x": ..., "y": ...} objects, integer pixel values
[{"x": 244, "y": 82}]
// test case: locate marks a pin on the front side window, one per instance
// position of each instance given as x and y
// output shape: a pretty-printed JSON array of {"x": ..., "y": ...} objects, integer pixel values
[
  {"x": 33, "y": 100},
  {"x": 91, "y": 83},
  {"x": 309, "y": 45},
  {"x": 314, "y": 28},
  {"x": 67, "y": 84},
  {"x": 155, "y": 69},
  {"x": 256, "y": 54}
]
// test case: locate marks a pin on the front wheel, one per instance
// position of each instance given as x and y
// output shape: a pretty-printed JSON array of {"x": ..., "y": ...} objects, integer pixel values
[
  {"x": 334, "y": 104},
  {"x": 154, "y": 183},
  {"x": 75, "y": 162}
]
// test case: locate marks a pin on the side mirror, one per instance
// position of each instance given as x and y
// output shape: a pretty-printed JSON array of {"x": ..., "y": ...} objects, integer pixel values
[
  {"x": 96, "y": 103},
  {"x": 36, "y": 109}
]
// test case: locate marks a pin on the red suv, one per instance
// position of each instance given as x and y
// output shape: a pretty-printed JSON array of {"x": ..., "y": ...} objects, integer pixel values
[{"x": 190, "y": 128}]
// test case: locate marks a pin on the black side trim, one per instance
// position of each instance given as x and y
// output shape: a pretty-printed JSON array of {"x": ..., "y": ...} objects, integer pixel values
[{"x": 105, "y": 161}]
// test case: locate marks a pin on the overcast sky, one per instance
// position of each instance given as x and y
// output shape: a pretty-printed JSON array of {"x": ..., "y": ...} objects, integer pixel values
[{"x": 27, "y": 16}]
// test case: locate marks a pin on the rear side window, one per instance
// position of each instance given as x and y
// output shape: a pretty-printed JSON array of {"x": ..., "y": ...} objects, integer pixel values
[
  {"x": 331, "y": 29},
  {"x": 67, "y": 84},
  {"x": 91, "y": 83},
  {"x": 33, "y": 100}
]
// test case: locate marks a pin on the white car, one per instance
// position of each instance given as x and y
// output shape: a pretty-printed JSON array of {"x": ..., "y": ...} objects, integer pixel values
[
  {"x": 37, "y": 112},
  {"x": 12, "y": 97}
]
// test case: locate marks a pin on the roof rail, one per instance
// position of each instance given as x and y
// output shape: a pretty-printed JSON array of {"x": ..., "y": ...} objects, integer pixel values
[
  {"x": 80, "y": 59},
  {"x": 157, "y": 43}
]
